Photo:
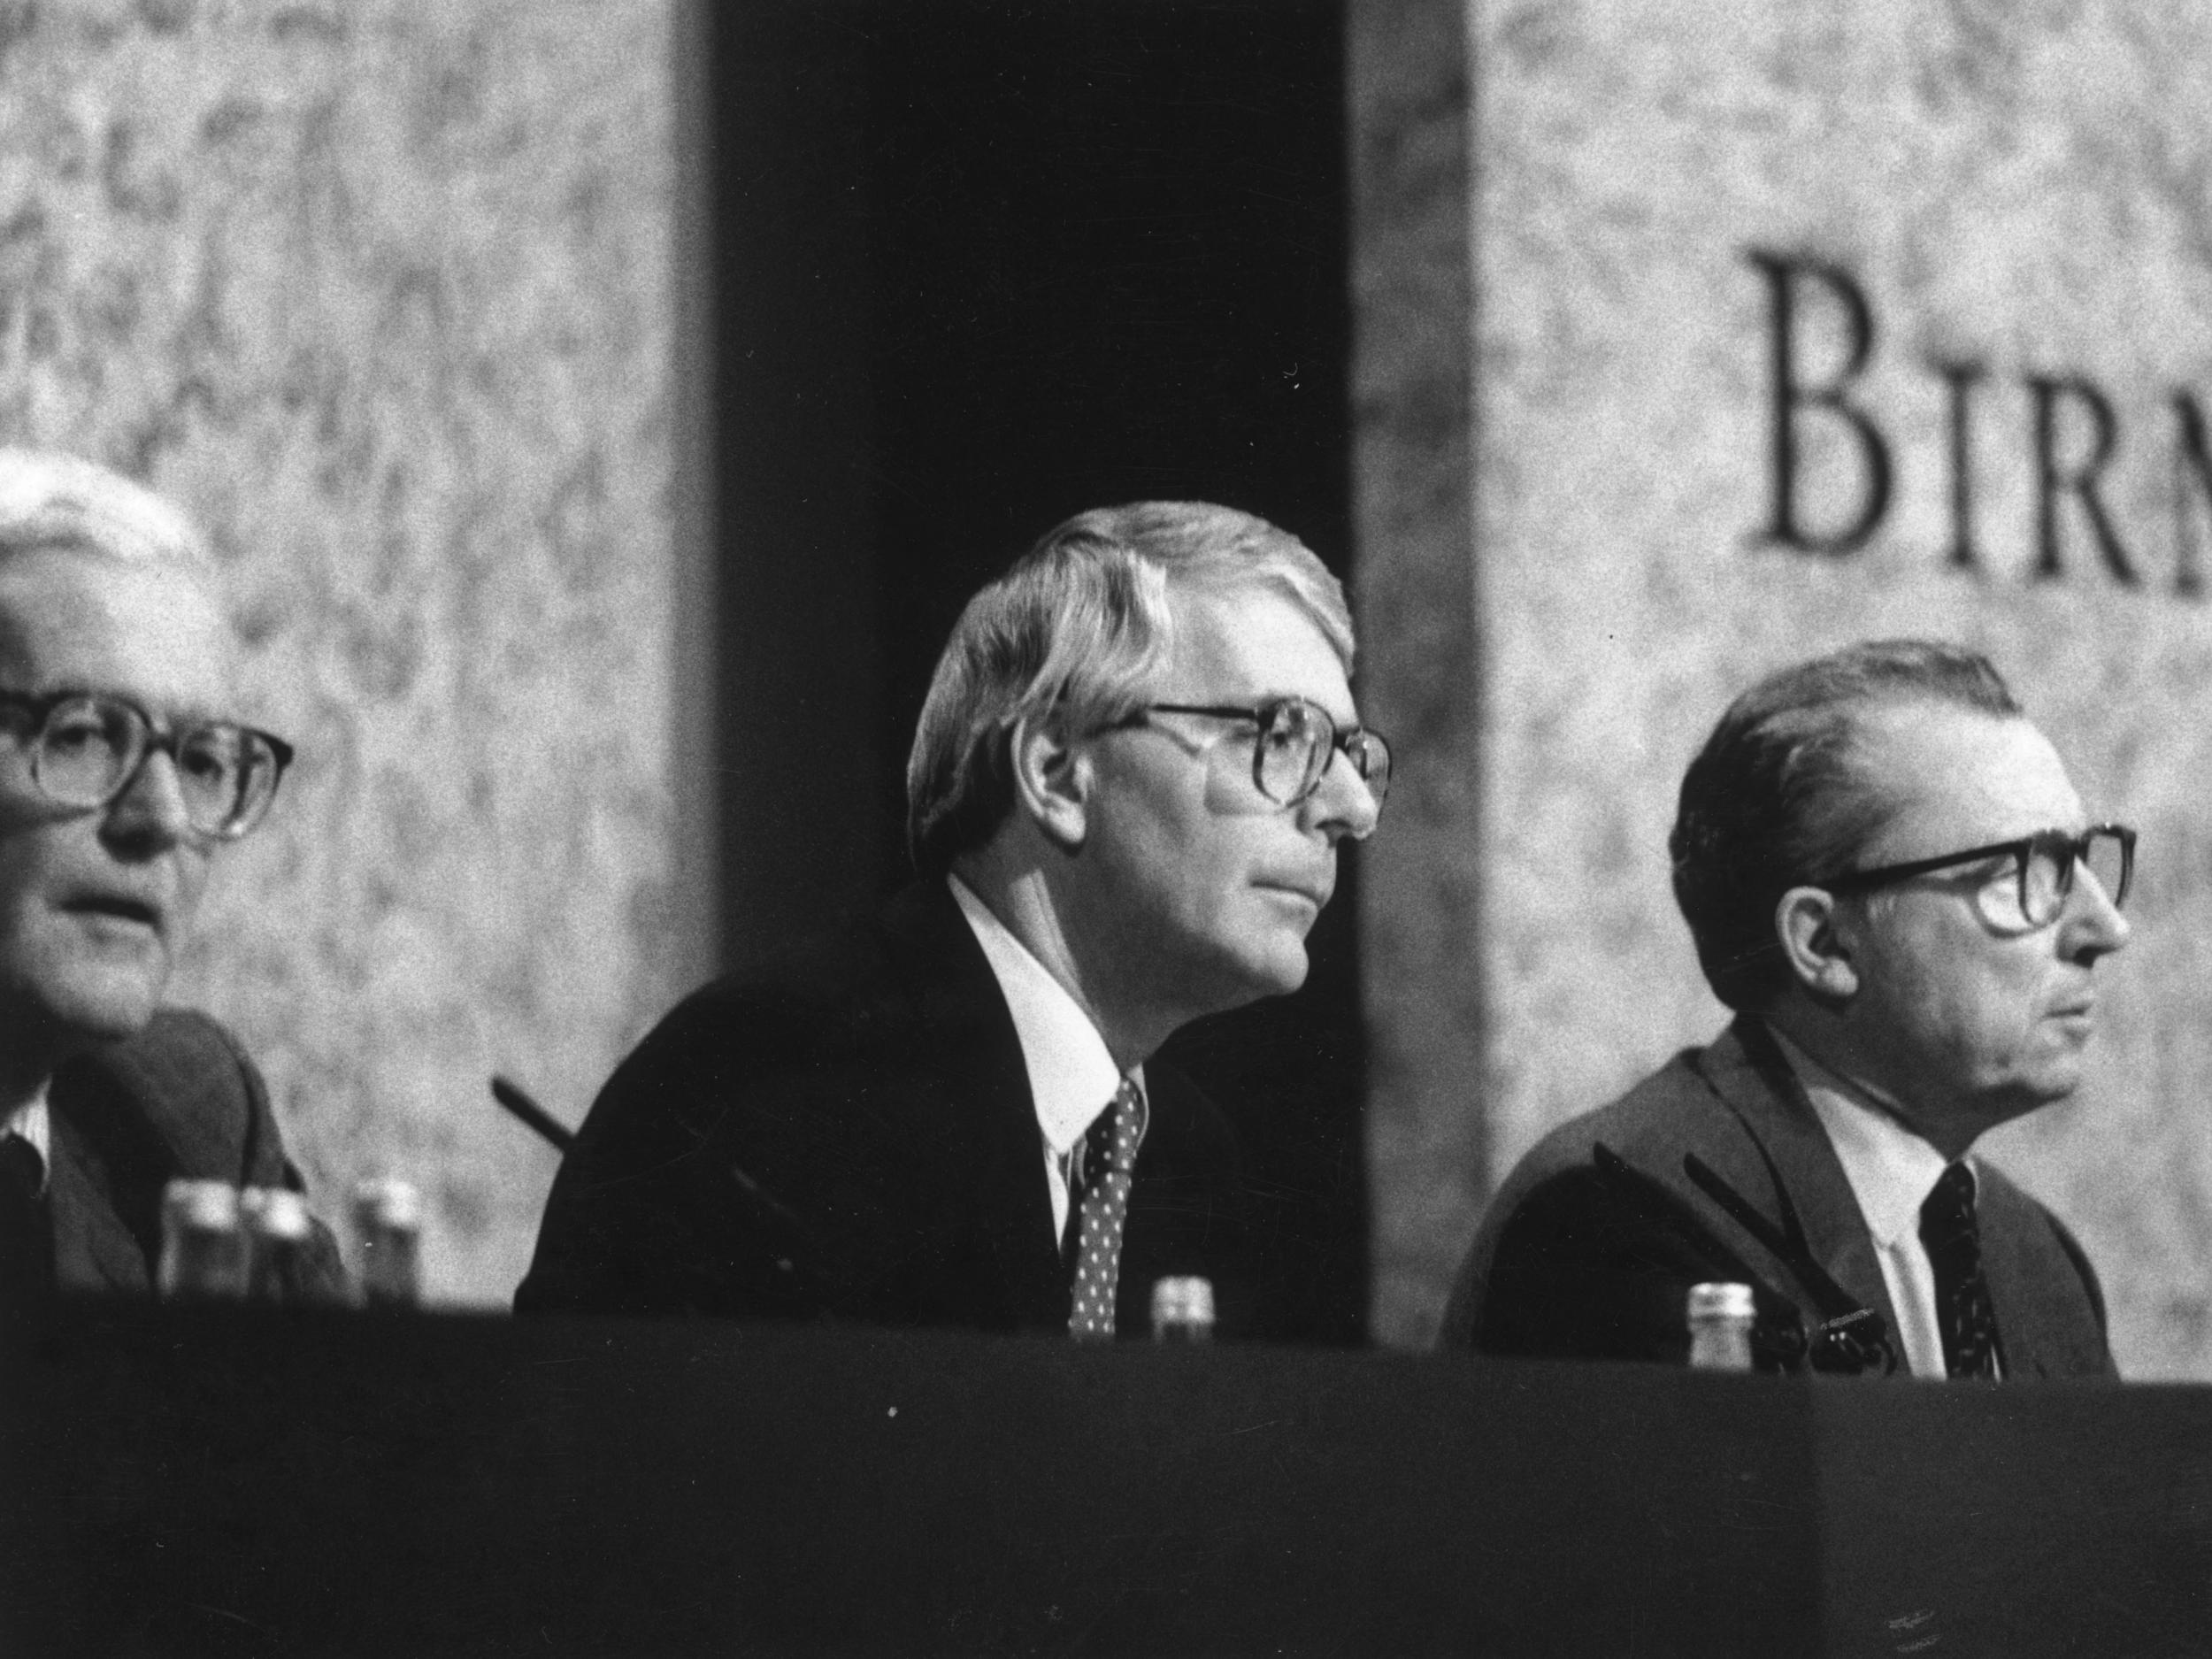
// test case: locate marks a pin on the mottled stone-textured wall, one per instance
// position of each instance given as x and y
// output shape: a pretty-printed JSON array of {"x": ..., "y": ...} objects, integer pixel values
[
  {"x": 381, "y": 292},
  {"x": 1412, "y": 279},
  {"x": 2026, "y": 189}
]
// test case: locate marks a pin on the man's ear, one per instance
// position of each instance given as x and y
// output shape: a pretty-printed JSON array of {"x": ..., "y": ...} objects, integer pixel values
[
  {"x": 1052, "y": 780},
  {"x": 1818, "y": 950}
]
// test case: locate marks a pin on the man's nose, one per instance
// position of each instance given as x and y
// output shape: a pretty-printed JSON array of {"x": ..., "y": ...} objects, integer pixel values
[
  {"x": 150, "y": 809},
  {"x": 1342, "y": 803},
  {"x": 2095, "y": 926}
]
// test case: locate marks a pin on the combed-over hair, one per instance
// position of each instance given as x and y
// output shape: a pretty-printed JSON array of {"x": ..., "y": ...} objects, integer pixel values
[
  {"x": 1776, "y": 799},
  {"x": 50, "y": 500},
  {"x": 1081, "y": 625}
]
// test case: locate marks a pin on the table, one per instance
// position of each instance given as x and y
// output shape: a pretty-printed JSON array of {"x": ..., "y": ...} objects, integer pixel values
[{"x": 243, "y": 1482}]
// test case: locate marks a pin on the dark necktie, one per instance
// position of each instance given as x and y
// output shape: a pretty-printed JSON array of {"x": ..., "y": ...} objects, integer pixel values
[
  {"x": 1964, "y": 1313},
  {"x": 27, "y": 1235},
  {"x": 1109, "y": 1157}
]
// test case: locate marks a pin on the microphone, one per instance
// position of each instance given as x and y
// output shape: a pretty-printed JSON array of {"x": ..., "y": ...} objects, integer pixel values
[
  {"x": 791, "y": 1244},
  {"x": 509, "y": 1095}
]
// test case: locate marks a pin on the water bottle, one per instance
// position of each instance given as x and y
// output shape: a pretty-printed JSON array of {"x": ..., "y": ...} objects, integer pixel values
[
  {"x": 387, "y": 1224},
  {"x": 202, "y": 1246},
  {"x": 278, "y": 1235},
  {"x": 1183, "y": 1309},
  {"x": 1720, "y": 1327}
]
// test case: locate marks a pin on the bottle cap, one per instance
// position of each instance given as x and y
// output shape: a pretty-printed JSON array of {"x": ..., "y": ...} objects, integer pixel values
[
  {"x": 1720, "y": 1301},
  {"x": 275, "y": 1212},
  {"x": 200, "y": 1206},
  {"x": 1183, "y": 1299},
  {"x": 381, "y": 1201}
]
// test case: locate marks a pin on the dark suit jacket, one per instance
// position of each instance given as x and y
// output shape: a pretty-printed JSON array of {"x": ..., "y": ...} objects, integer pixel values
[
  {"x": 1561, "y": 1268},
  {"x": 853, "y": 1136},
  {"x": 182, "y": 1099}
]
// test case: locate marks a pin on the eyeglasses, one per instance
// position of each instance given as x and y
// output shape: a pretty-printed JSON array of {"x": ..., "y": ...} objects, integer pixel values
[
  {"x": 85, "y": 748},
  {"x": 1291, "y": 749},
  {"x": 2044, "y": 864}
]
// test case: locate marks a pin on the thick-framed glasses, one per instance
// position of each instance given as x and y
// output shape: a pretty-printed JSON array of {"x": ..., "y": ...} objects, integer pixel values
[
  {"x": 2043, "y": 864},
  {"x": 1292, "y": 744},
  {"x": 85, "y": 748}
]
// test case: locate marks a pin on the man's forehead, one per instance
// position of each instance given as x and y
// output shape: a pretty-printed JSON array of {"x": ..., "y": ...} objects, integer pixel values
[
  {"x": 1250, "y": 643},
  {"x": 76, "y": 616},
  {"x": 1959, "y": 777}
]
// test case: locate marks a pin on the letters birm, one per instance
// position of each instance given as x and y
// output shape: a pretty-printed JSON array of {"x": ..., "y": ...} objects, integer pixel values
[{"x": 2076, "y": 527}]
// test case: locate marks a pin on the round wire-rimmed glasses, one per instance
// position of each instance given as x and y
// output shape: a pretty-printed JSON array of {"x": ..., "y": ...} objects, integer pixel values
[
  {"x": 86, "y": 747},
  {"x": 1292, "y": 743}
]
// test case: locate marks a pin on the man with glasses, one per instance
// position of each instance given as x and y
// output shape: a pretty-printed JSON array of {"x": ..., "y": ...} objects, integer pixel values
[
  {"x": 119, "y": 777},
  {"x": 1889, "y": 879},
  {"x": 1131, "y": 777}
]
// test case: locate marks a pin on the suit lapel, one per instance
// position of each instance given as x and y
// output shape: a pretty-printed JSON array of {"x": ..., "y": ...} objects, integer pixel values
[
  {"x": 995, "y": 1146},
  {"x": 2015, "y": 1284},
  {"x": 94, "y": 1248},
  {"x": 1753, "y": 1078},
  {"x": 2046, "y": 1319}
]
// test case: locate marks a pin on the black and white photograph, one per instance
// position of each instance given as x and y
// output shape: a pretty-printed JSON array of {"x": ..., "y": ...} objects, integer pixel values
[{"x": 1094, "y": 828}]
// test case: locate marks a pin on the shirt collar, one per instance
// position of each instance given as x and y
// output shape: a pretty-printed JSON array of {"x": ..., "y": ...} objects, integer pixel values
[
  {"x": 34, "y": 1124},
  {"x": 1072, "y": 1077},
  {"x": 1891, "y": 1170}
]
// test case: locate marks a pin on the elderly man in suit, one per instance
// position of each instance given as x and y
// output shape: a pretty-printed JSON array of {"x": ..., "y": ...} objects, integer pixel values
[
  {"x": 1890, "y": 879},
  {"x": 120, "y": 774},
  {"x": 1134, "y": 767}
]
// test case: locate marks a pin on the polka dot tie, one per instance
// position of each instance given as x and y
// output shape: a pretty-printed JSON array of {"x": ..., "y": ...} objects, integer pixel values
[
  {"x": 1964, "y": 1313},
  {"x": 1110, "y": 1154}
]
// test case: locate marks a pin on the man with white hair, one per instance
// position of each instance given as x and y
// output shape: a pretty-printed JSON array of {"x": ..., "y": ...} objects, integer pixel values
[
  {"x": 1136, "y": 761},
  {"x": 120, "y": 773}
]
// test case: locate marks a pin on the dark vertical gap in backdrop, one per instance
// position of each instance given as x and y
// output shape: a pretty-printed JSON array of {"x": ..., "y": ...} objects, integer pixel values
[
  {"x": 800, "y": 690},
  {"x": 1083, "y": 254}
]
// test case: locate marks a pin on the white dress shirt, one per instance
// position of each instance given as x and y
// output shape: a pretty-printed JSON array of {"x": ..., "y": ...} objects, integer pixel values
[
  {"x": 30, "y": 1121},
  {"x": 1891, "y": 1171},
  {"x": 1073, "y": 1079}
]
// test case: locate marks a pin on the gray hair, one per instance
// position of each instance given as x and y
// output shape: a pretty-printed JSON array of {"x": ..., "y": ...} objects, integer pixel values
[
  {"x": 51, "y": 499},
  {"x": 1081, "y": 626},
  {"x": 1777, "y": 799}
]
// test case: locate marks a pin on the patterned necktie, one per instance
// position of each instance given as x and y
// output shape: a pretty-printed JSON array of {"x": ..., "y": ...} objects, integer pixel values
[
  {"x": 27, "y": 1235},
  {"x": 1110, "y": 1155},
  {"x": 1963, "y": 1311}
]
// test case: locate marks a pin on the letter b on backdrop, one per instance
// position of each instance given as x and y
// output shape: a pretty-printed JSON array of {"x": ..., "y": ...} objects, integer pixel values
[{"x": 1812, "y": 412}]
